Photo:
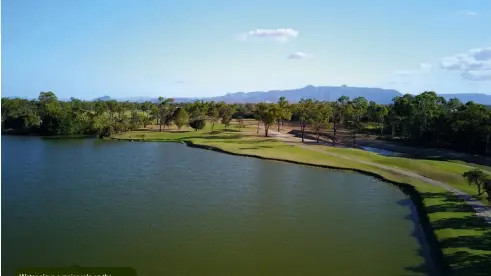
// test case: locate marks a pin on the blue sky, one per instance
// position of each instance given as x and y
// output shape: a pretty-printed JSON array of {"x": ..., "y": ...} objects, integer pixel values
[{"x": 123, "y": 48}]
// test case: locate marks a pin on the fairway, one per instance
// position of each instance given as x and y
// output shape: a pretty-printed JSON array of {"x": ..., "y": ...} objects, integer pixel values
[{"x": 447, "y": 172}]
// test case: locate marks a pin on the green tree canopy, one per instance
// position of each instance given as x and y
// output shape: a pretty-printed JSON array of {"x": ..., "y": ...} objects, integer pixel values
[
  {"x": 181, "y": 117},
  {"x": 197, "y": 124}
]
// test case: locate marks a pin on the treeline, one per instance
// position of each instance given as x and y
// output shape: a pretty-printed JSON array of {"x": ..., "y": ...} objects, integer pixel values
[
  {"x": 425, "y": 119},
  {"x": 49, "y": 116}
]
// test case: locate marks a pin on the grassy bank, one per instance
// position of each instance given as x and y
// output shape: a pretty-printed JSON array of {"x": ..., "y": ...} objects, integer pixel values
[
  {"x": 464, "y": 239},
  {"x": 447, "y": 172}
]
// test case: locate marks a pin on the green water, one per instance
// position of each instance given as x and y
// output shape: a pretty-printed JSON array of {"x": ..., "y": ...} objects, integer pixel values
[{"x": 166, "y": 209}]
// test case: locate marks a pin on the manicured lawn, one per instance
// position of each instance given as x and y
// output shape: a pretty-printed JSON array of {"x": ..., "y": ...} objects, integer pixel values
[
  {"x": 447, "y": 172},
  {"x": 482, "y": 167},
  {"x": 464, "y": 238}
]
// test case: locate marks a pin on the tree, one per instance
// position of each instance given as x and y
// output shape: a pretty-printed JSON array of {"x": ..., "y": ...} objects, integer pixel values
[
  {"x": 339, "y": 111},
  {"x": 147, "y": 108},
  {"x": 226, "y": 112},
  {"x": 284, "y": 112},
  {"x": 102, "y": 126},
  {"x": 452, "y": 105},
  {"x": 380, "y": 115},
  {"x": 359, "y": 108},
  {"x": 394, "y": 121},
  {"x": 155, "y": 114},
  {"x": 112, "y": 107},
  {"x": 167, "y": 119},
  {"x": 317, "y": 120},
  {"x": 372, "y": 111},
  {"x": 222, "y": 108},
  {"x": 213, "y": 115},
  {"x": 166, "y": 112},
  {"x": 403, "y": 114},
  {"x": 198, "y": 110},
  {"x": 428, "y": 106},
  {"x": 197, "y": 124},
  {"x": 146, "y": 120},
  {"x": 240, "y": 123},
  {"x": 226, "y": 119},
  {"x": 53, "y": 121},
  {"x": 269, "y": 116},
  {"x": 181, "y": 117},
  {"x": 258, "y": 112},
  {"x": 480, "y": 179},
  {"x": 320, "y": 115},
  {"x": 47, "y": 97},
  {"x": 101, "y": 108},
  {"x": 304, "y": 111},
  {"x": 31, "y": 120},
  {"x": 487, "y": 129}
]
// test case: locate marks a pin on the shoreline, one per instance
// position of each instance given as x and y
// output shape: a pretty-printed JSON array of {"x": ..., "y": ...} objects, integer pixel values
[
  {"x": 435, "y": 250},
  {"x": 70, "y": 136},
  {"x": 436, "y": 254}
]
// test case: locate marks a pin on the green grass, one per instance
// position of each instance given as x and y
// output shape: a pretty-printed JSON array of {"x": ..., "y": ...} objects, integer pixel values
[
  {"x": 447, "y": 172},
  {"x": 371, "y": 125},
  {"x": 486, "y": 169},
  {"x": 464, "y": 239}
]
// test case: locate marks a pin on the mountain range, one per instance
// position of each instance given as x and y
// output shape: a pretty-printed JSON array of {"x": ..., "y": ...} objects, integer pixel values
[{"x": 322, "y": 93}]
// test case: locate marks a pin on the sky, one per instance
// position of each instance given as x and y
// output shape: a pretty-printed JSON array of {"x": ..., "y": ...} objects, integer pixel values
[{"x": 184, "y": 48}]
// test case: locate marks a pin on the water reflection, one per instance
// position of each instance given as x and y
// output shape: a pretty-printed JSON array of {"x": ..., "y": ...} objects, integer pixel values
[{"x": 166, "y": 209}]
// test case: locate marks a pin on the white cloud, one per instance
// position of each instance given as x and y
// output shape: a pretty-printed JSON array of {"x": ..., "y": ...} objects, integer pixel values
[
  {"x": 424, "y": 68},
  {"x": 277, "y": 34},
  {"x": 473, "y": 65},
  {"x": 483, "y": 54},
  {"x": 468, "y": 13},
  {"x": 406, "y": 72},
  {"x": 457, "y": 62},
  {"x": 299, "y": 55},
  {"x": 477, "y": 75}
]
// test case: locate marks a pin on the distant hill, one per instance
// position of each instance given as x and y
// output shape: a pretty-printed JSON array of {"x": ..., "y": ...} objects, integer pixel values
[
  {"x": 103, "y": 98},
  {"x": 332, "y": 93},
  {"x": 322, "y": 93},
  {"x": 138, "y": 99}
]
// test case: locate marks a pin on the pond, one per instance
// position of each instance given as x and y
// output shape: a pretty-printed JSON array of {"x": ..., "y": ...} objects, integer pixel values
[{"x": 167, "y": 209}]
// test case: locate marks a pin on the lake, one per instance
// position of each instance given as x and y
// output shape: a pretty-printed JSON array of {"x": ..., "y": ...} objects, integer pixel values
[{"x": 167, "y": 209}]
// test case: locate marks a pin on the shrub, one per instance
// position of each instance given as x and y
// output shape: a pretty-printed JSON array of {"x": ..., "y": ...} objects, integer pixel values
[{"x": 197, "y": 124}]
